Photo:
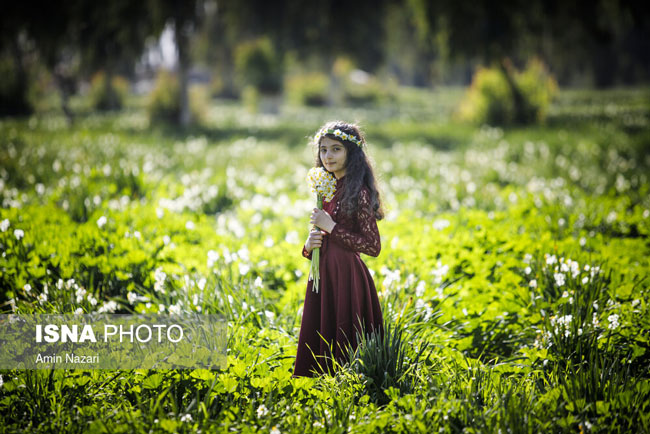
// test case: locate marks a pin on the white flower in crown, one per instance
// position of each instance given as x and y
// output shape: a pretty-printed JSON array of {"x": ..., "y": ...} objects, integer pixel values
[
  {"x": 344, "y": 136},
  {"x": 322, "y": 183},
  {"x": 338, "y": 133}
]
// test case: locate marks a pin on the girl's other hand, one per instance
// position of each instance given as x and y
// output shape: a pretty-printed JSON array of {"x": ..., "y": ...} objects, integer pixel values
[
  {"x": 314, "y": 240},
  {"x": 322, "y": 219}
]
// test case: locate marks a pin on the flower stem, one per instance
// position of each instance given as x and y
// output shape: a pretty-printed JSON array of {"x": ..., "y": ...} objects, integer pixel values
[{"x": 314, "y": 271}]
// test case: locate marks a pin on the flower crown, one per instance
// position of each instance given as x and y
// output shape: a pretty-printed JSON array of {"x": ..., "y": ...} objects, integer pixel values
[{"x": 338, "y": 133}]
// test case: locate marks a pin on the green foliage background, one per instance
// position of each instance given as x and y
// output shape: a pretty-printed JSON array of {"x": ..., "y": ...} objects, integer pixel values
[{"x": 120, "y": 216}]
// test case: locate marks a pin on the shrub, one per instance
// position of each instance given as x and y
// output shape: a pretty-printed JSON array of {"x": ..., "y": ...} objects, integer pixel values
[
  {"x": 164, "y": 101},
  {"x": 257, "y": 65},
  {"x": 538, "y": 88},
  {"x": 308, "y": 89},
  {"x": 108, "y": 97},
  {"x": 490, "y": 98},
  {"x": 368, "y": 91}
]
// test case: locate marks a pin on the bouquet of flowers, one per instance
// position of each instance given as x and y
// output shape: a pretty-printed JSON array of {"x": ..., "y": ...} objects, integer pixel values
[{"x": 323, "y": 184}]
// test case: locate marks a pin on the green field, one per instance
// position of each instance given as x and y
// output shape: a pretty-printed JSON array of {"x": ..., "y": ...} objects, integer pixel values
[{"x": 514, "y": 271}]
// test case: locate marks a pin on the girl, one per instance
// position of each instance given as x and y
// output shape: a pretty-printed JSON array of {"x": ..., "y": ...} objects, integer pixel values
[{"x": 347, "y": 302}]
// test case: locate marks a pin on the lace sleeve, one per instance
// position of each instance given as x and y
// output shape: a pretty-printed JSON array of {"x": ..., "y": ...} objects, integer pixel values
[{"x": 367, "y": 240}]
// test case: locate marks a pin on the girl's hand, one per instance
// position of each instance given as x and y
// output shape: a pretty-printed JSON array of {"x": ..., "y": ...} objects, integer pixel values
[
  {"x": 322, "y": 219},
  {"x": 314, "y": 240}
]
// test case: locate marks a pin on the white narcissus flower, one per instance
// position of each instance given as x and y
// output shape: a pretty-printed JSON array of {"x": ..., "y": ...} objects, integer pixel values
[
  {"x": 322, "y": 183},
  {"x": 262, "y": 411},
  {"x": 101, "y": 221}
]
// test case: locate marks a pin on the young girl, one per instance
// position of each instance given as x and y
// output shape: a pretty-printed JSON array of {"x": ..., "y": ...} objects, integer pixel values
[{"x": 347, "y": 301}]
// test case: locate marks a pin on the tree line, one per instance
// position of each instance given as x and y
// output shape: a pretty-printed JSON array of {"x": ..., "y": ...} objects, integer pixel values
[{"x": 420, "y": 42}]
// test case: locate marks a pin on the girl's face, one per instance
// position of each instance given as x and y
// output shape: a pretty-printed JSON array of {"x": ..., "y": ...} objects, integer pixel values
[{"x": 333, "y": 155}]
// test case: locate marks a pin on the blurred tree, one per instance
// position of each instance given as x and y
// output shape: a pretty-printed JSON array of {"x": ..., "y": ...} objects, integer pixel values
[
  {"x": 185, "y": 16},
  {"x": 322, "y": 30},
  {"x": 606, "y": 36},
  {"x": 26, "y": 37},
  {"x": 76, "y": 37},
  {"x": 111, "y": 37}
]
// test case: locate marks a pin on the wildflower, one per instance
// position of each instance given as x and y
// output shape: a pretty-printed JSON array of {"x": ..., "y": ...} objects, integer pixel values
[
  {"x": 550, "y": 259},
  {"x": 527, "y": 270},
  {"x": 527, "y": 258},
  {"x": 212, "y": 258},
  {"x": 1, "y": 381},
  {"x": 19, "y": 233},
  {"x": 27, "y": 288},
  {"x": 594, "y": 320},
  {"x": 613, "y": 322},
  {"x": 166, "y": 240},
  {"x": 323, "y": 184},
  {"x": 189, "y": 225},
  {"x": 258, "y": 282},
  {"x": 262, "y": 411},
  {"x": 439, "y": 272},
  {"x": 159, "y": 280},
  {"x": 80, "y": 293},
  {"x": 42, "y": 297},
  {"x": 132, "y": 297},
  {"x": 108, "y": 307},
  {"x": 559, "y": 279},
  {"x": 92, "y": 300},
  {"x": 101, "y": 222},
  {"x": 186, "y": 418},
  {"x": 317, "y": 424},
  {"x": 595, "y": 304},
  {"x": 175, "y": 309},
  {"x": 275, "y": 430},
  {"x": 78, "y": 311},
  {"x": 4, "y": 225},
  {"x": 419, "y": 290},
  {"x": 585, "y": 280},
  {"x": 635, "y": 302},
  {"x": 565, "y": 294},
  {"x": 533, "y": 283},
  {"x": 243, "y": 269},
  {"x": 440, "y": 224}
]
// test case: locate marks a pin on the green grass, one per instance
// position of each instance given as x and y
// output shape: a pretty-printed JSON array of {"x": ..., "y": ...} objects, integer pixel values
[{"x": 474, "y": 216}]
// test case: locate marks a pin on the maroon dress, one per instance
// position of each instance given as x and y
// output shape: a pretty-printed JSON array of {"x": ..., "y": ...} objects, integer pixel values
[{"x": 347, "y": 297}]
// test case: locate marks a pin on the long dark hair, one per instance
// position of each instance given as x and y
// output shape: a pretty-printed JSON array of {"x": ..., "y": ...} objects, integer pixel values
[{"x": 358, "y": 171}]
